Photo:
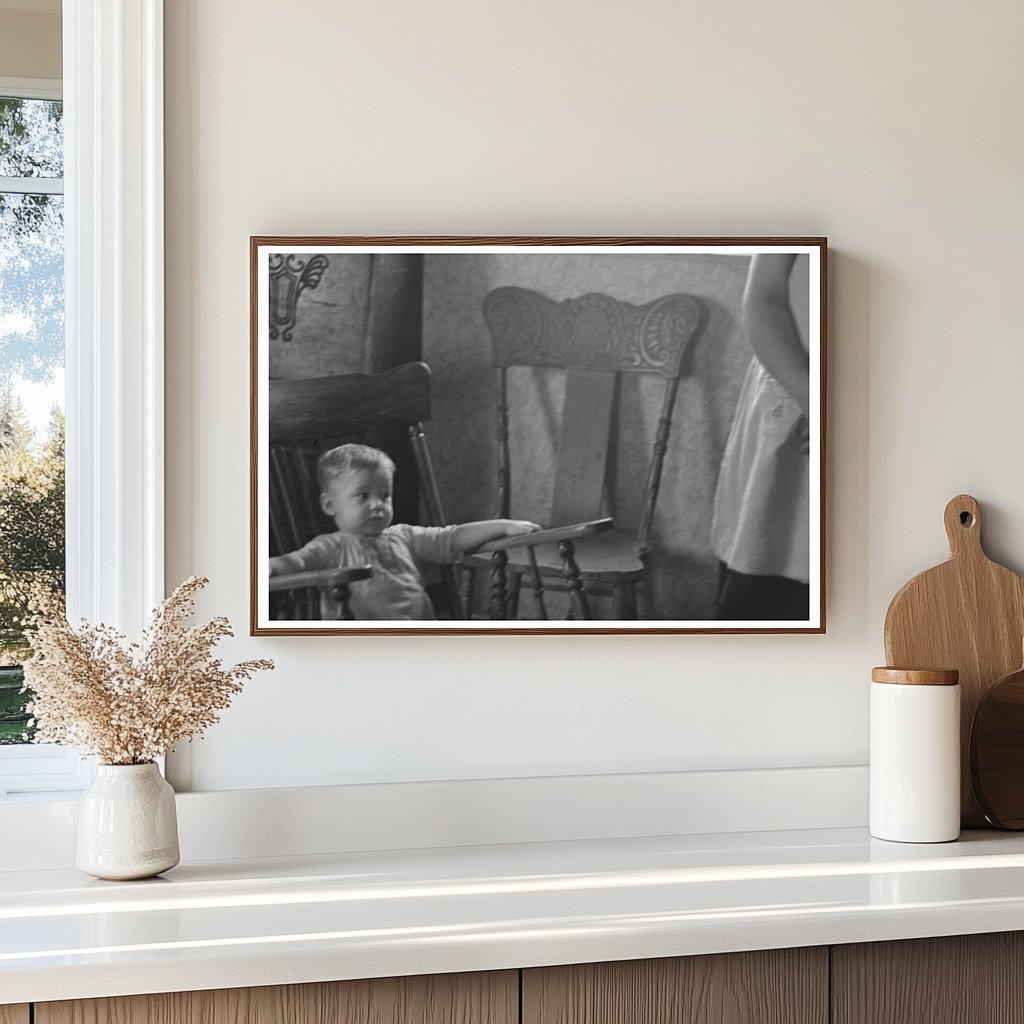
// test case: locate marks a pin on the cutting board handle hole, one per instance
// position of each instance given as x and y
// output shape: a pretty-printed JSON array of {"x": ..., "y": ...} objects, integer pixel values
[{"x": 966, "y": 519}]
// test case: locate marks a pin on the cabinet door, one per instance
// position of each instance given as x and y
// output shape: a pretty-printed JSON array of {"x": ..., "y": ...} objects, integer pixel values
[
  {"x": 14, "y": 1014},
  {"x": 491, "y": 998},
  {"x": 962, "y": 979},
  {"x": 778, "y": 986}
]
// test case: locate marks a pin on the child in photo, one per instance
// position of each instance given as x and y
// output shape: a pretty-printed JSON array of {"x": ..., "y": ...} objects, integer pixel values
[{"x": 355, "y": 491}]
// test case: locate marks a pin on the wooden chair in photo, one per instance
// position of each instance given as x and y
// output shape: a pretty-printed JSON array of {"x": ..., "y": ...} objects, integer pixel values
[
  {"x": 324, "y": 594},
  {"x": 505, "y": 584},
  {"x": 309, "y": 417},
  {"x": 591, "y": 341}
]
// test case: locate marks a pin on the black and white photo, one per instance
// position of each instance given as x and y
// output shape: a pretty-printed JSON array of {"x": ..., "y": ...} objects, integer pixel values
[{"x": 537, "y": 435}]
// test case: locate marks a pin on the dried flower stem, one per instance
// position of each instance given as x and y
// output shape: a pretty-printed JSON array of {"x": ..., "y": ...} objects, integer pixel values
[{"x": 130, "y": 703}]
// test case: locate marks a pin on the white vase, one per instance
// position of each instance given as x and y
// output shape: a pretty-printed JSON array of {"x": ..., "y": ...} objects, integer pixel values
[{"x": 127, "y": 825}]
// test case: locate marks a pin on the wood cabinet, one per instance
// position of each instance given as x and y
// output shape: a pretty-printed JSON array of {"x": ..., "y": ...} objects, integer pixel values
[
  {"x": 965, "y": 979},
  {"x": 972, "y": 979},
  {"x": 481, "y": 998},
  {"x": 962, "y": 979},
  {"x": 776, "y": 986}
]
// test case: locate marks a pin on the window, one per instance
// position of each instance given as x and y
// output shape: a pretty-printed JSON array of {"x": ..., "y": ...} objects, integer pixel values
[
  {"x": 113, "y": 288},
  {"x": 32, "y": 535},
  {"x": 31, "y": 382}
]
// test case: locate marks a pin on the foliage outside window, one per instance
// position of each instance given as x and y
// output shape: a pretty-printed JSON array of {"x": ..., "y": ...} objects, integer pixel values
[{"x": 31, "y": 385}]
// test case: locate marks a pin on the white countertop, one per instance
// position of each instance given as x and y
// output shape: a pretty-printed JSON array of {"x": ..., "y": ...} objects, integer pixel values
[{"x": 225, "y": 924}]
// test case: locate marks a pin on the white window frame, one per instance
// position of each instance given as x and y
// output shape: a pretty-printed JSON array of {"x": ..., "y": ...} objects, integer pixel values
[
  {"x": 114, "y": 337},
  {"x": 32, "y": 89}
]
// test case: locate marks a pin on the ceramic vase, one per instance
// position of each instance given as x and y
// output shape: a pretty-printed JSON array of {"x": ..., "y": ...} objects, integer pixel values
[{"x": 127, "y": 825}]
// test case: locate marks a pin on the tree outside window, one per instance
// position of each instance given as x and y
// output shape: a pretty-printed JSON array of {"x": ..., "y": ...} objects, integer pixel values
[{"x": 31, "y": 385}]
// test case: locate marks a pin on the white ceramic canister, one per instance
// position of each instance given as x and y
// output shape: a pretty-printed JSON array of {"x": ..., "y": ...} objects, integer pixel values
[{"x": 915, "y": 755}]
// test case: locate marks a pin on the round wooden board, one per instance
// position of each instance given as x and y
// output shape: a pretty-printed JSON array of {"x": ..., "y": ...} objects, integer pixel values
[{"x": 997, "y": 752}]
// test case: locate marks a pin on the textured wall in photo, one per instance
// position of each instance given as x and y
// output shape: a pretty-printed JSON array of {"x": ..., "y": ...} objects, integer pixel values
[
  {"x": 355, "y": 313},
  {"x": 329, "y": 335}
]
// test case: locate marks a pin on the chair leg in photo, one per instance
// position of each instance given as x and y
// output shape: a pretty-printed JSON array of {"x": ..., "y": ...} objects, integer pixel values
[
  {"x": 342, "y": 593},
  {"x": 537, "y": 585},
  {"x": 467, "y": 581},
  {"x": 577, "y": 593},
  {"x": 499, "y": 585}
]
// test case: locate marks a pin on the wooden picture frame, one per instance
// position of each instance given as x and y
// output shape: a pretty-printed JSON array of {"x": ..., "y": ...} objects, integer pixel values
[{"x": 613, "y": 391}]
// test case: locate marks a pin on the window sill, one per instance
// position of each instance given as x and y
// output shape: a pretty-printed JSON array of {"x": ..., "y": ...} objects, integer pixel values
[{"x": 41, "y": 797}]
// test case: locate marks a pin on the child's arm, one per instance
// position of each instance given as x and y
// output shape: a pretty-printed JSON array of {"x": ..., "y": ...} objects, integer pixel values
[
  {"x": 467, "y": 536},
  {"x": 321, "y": 552},
  {"x": 770, "y": 327},
  {"x": 282, "y": 564}
]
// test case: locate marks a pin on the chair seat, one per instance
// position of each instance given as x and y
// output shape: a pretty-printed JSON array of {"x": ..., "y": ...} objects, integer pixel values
[{"x": 610, "y": 557}]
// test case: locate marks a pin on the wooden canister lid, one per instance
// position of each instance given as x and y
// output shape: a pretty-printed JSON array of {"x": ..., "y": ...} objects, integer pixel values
[{"x": 916, "y": 676}]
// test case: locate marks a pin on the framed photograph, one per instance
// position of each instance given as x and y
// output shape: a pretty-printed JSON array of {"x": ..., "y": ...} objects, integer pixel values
[{"x": 537, "y": 435}]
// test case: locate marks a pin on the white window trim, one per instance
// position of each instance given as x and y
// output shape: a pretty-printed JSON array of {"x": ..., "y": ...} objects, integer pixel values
[
  {"x": 32, "y": 186},
  {"x": 114, "y": 324},
  {"x": 32, "y": 88}
]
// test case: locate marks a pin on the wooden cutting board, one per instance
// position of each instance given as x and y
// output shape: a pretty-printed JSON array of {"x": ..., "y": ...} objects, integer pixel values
[{"x": 967, "y": 614}]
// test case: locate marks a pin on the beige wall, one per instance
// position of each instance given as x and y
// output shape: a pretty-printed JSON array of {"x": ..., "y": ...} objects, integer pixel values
[
  {"x": 29, "y": 45},
  {"x": 892, "y": 128}
]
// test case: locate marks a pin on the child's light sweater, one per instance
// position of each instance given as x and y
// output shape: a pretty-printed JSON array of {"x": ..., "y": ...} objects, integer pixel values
[{"x": 396, "y": 589}]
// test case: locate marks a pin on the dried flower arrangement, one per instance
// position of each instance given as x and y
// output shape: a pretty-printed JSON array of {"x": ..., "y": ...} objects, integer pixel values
[{"x": 129, "y": 704}]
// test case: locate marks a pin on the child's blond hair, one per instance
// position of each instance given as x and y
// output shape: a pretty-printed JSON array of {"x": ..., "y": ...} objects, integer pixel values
[{"x": 347, "y": 458}]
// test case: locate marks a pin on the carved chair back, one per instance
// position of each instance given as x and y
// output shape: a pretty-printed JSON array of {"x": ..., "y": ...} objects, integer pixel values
[{"x": 594, "y": 339}]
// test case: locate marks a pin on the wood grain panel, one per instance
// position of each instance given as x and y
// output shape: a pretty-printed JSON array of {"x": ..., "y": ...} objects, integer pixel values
[
  {"x": 16, "y": 1013},
  {"x": 779, "y": 986},
  {"x": 962, "y": 979},
  {"x": 349, "y": 404},
  {"x": 583, "y": 447},
  {"x": 967, "y": 614},
  {"x": 481, "y": 998}
]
